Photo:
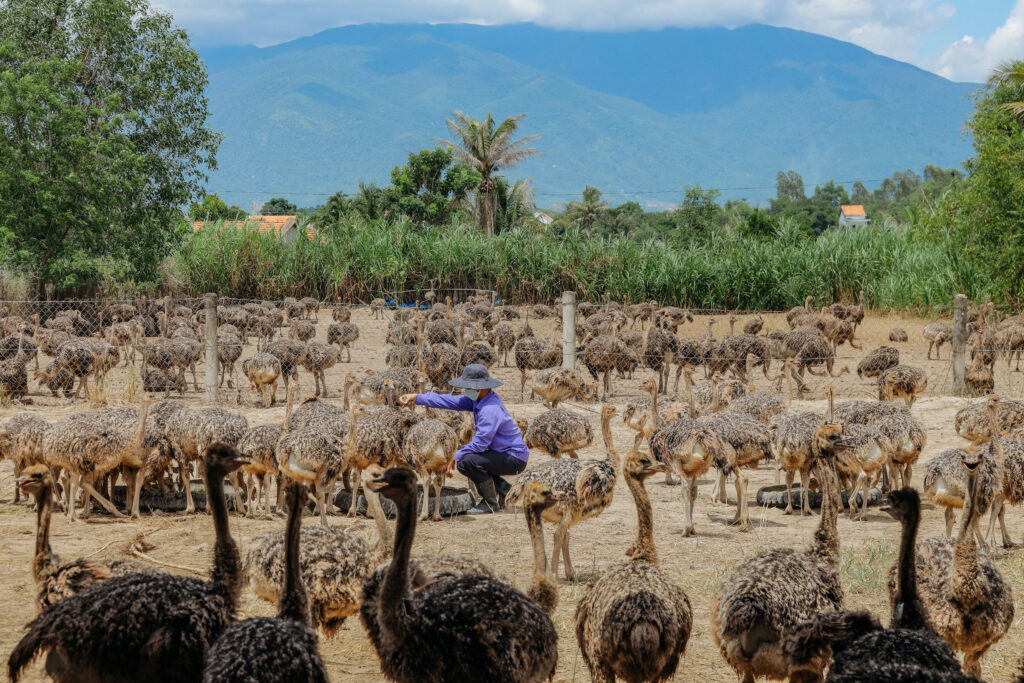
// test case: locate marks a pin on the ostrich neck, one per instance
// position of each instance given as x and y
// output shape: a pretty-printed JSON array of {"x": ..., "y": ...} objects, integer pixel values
[
  {"x": 655, "y": 421},
  {"x": 826, "y": 537},
  {"x": 714, "y": 395},
  {"x": 540, "y": 559},
  {"x": 293, "y": 603},
  {"x": 906, "y": 606},
  {"x": 44, "y": 558},
  {"x": 353, "y": 424},
  {"x": 643, "y": 549},
  {"x": 140, "y": 437},
  {"x": 227, "y": 571},
  {"x": 383, "y": 546},
  {"x": 965, "y": 552},
  {"x": 609, "y": 444},
  {"x": 392, "y": 593},
  {"x": 288, "y": 409},
  {"x": 995, "y": 443}
]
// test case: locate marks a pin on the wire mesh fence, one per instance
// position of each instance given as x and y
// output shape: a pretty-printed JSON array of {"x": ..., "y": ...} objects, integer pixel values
[{"x": 110, "y": 350}]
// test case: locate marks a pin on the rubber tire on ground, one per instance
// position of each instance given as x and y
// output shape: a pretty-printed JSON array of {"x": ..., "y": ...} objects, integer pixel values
[
  {"x": 776, "y": 497},
  {"x": 454, "y": 501},
  {"x": 169, "y": 501}
]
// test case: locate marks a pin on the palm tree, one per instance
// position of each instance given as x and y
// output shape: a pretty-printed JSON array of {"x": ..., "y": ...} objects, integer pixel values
[
  {"x": 1010, "y": 74},
  {"x": 488, "y": 148},
  {"x": 515, "y": 206},
  {"x": 587, "y": 212}
]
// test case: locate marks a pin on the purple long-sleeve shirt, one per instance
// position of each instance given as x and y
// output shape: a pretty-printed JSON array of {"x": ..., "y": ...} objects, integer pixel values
[{"x": 495, "y": 428}]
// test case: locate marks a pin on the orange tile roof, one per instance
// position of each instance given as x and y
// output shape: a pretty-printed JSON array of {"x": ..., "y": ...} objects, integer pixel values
[
  {"x": 279, "y": 224},
  {"x": 852, "y": 210}
]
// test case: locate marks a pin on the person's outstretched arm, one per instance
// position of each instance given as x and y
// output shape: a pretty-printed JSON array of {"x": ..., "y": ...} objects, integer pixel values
[{"x": 446, "y": 401}]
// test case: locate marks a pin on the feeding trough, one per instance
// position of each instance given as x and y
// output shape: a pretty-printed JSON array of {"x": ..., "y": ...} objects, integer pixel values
[
  {"x": 775, "y": 497},
  {"x": 454, "y": 501}
]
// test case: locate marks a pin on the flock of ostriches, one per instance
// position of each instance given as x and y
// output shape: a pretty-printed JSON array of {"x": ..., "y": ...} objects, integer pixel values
[{"x": 779, "y": 614}]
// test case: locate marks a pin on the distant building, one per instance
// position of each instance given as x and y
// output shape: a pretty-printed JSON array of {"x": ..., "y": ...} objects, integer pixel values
[
  {"x": 543, "y": 218},
  {"x": 852, "y": 216},
  {"x": 283, "y": 227}
]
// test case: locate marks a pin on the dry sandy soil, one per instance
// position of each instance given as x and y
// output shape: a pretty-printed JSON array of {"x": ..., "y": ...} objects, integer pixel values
[{"x": 698, "y": 563}]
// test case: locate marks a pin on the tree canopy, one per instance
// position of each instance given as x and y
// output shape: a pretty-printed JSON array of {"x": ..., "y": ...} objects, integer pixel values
[
  {"x": 430, "y": 186},
  {"x": 278, "y": 206},
  {"x": 212, "y": 208},
  {"x": 103, "y": 135},
  {"x": 488, "y": 147}
]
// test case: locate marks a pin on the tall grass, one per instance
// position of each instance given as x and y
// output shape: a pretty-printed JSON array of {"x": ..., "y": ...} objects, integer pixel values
[{"x": 361, "y": 260}]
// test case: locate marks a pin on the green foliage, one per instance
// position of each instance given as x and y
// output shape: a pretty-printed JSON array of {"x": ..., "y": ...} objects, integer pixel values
[
  {"x": 981, "y": 220},
  {"x": 761, "y": 225},
  {"x": 103, "y": 133},
  {"x": 515, "y": 205},
  {"x": 360, "y": 259},
  {"x": 278, "y": 206},
  {"x": 337, "y": 206},
  {"x": 589, "y": 211},
  {"x": 816, "y": 213},
  {"x": 488, "y": 147},
  {"x": 429, "y": 188},
  {"x": 213, "y": 208},
  {"x": 698, "y": 214},
  {"x": 789, "y": 185}
]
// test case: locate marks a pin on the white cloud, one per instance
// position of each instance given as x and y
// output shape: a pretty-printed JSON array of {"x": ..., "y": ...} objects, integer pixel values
[
  {"x": 971, "y": 58},
  {"x": 889, "y": 27}
]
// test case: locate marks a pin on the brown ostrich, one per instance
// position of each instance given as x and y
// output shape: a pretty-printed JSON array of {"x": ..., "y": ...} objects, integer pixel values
[{"x": 634, "y": 622}]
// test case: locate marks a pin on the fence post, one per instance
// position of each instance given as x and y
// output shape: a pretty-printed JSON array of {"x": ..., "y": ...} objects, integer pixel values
[
  {"x": 959, "y": 342},
  {"x": 212, "y": 360},
  {"x": 569, "y": 330}
]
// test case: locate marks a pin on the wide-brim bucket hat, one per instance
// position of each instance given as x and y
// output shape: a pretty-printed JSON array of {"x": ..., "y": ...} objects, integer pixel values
[{"x": 475, "y": 376}]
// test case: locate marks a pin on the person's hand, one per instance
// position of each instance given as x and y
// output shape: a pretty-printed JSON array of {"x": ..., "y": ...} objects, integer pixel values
[{"x": 407, "y": 399}]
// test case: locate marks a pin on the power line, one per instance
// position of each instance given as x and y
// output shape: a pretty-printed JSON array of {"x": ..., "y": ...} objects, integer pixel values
[{"x": 615, "y": 193}]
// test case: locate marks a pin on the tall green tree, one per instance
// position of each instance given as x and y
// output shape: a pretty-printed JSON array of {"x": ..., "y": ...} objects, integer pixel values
[
  {"x": 213, "y": 208},
  {"x": 589, "y": 210},
  {"x": 103, "y": 135},
  {"x": 981, "y": 220},
  {"x": 278, "y": 206},
  {"x": 370, "y": 201},
  {"x": 429, "y": 188},
  {"x": 789, "y": 185},
  {"x": 488, "y": 147},
  {"x": 1009, "y": 76}
]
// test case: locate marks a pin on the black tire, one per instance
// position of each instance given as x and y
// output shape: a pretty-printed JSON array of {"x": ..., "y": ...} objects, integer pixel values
[
  {"x": 775, "y": 497},
  {"x": 169, "y": 501},
  {"x": 454, "y": 501}
]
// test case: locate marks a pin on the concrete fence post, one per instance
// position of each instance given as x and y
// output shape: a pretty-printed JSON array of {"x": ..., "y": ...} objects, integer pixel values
[
  {"x": 569, "y": 330},
  {"x": 959, "y": 342},
  {"x": 212, "y": 359}
]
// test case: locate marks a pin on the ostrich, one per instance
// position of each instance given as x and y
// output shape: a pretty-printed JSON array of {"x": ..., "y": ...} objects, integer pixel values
[
  {"x": 88, "y": 447},
  {"x": 861, "y": 650},
  {"x": 445, "y": 631},
  {"x": 763, "y": 601},
  {"x": 586, "y": 487},
  {"x": 143, "y": 627},
  {"x": 57, "y": 580},
  {"x": 937, "y": 334},
  {"x": 634, "y": 621},
  {"x": 242, "y": 654},
  {"x": 968, "y": 601}
]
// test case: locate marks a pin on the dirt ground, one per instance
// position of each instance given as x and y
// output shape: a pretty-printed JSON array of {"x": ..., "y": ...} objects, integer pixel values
[{"x": 698, "y": 563}]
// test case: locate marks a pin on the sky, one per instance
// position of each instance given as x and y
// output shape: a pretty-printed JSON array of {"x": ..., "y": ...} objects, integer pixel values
[{"x": 958, "y": 39}]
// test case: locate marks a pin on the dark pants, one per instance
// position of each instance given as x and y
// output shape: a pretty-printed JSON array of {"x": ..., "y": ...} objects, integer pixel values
[{"x": 479, "y": 467}]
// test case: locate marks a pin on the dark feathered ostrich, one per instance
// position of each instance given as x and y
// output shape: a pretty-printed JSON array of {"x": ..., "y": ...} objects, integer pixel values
[
  {"x": 909, "y": 650},
  {"x": 143, "y": 627},
  {"x": 57, "y": 580},
  {"x": 273, "y": 650},
  {"x": 466, "y": 627}
]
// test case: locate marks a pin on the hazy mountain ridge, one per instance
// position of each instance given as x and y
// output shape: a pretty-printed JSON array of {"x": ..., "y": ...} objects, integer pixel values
[{"x": 631, "y": 111}]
